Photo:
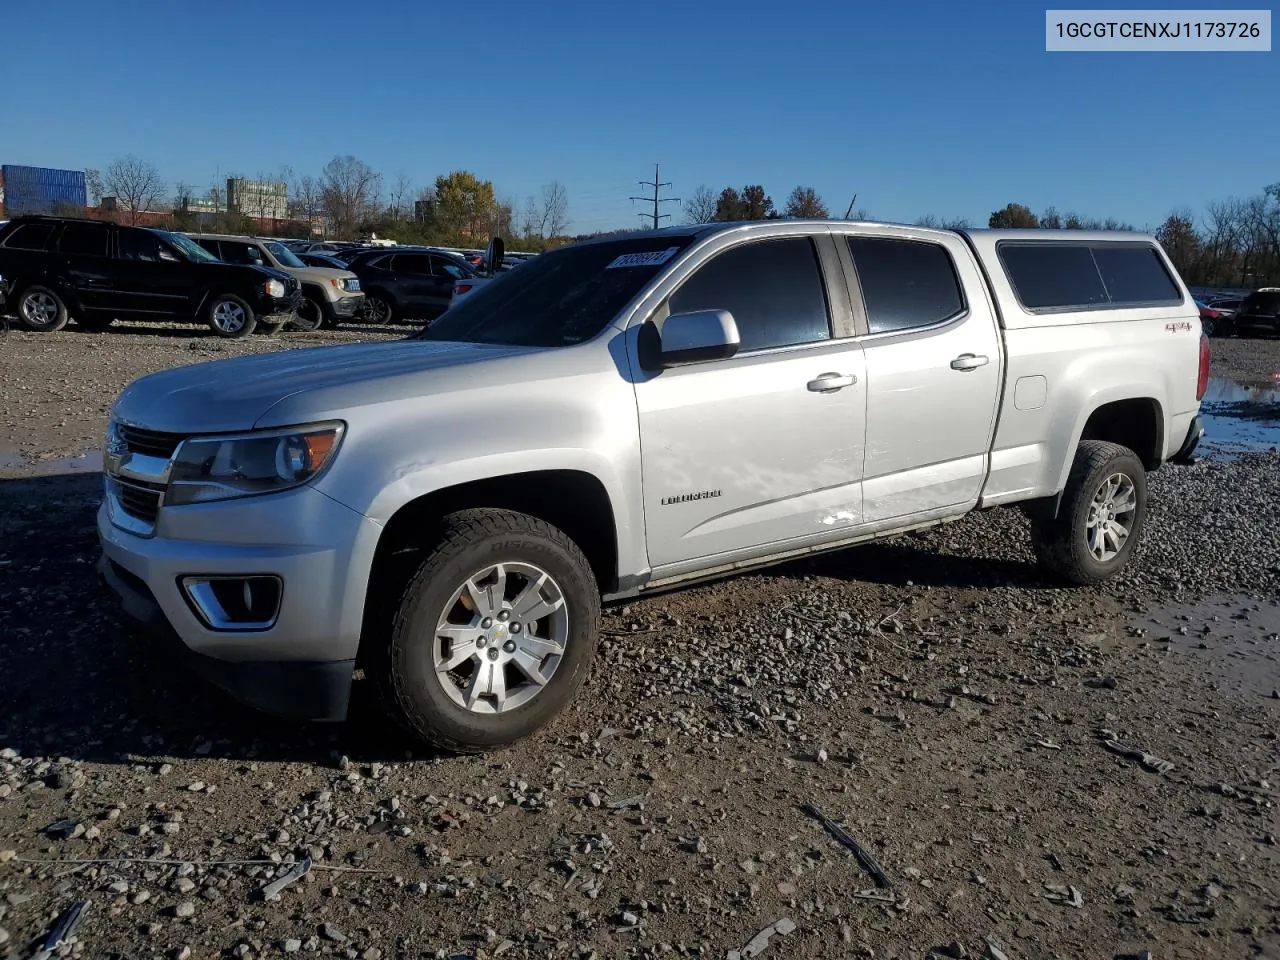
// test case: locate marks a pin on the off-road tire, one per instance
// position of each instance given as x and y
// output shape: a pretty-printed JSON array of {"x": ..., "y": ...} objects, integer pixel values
[
  {"x": 60, "y": 315},
  {"x": 1061, "y": 542},
  {"x": 211, "y": 314},
  {"x": 401, "y": 665}
]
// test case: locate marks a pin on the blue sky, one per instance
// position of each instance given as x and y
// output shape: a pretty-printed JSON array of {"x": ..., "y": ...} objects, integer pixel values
[{"x": 948, "y": 108}]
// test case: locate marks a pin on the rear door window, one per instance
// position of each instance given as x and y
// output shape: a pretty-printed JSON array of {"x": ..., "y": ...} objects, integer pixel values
[
  {"x": 30, "y": 236},
  {"x": 443, "y": 267},
  {"x": 84, "y": 240},
  {"x": 418, "y": 264},
  {"x": 906, "y": 284},
  {"x": 236, "y": 251}
]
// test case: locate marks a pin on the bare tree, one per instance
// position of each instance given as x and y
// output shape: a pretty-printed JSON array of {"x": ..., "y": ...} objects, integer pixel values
[
  {"x": 554, "y": 211},
  {"x": 183, "y": 194},
  {"x": 135, "y": 184},
  {"x": 398, "y": 197},
  {"x": 350, "y": 190},
  {"x": 306, "y": 202},
  {"x": 701, "y": 205}
]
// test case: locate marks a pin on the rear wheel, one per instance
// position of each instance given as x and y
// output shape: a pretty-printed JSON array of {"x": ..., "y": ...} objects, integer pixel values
[
  {"x": 494, "y": 634},
  {"x": 310, "y": 315},
  {"x": 42, "y": 309},
  {"x": 381, "y": 308},
  {"x": 229, "y": 316},
  {"x": 1100, "y": 518}
]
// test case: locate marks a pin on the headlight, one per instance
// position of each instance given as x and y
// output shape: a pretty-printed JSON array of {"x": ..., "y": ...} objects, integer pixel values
[
  {"x": 221, "y": 468},
  {"x": 274, "y": 288}
]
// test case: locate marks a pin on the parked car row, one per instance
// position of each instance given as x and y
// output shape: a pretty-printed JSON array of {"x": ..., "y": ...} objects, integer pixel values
[
  {"x": 1259, "y": 312},
  {"x": 94, "y": 272}
]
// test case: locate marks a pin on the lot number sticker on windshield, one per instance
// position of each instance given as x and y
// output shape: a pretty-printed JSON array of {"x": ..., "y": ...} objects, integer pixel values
[{"x": 654, "y": 258}]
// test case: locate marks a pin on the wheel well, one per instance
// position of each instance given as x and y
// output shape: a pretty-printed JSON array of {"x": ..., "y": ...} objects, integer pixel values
[
  {"x": 1136, "y": 424},
  {"x": 573, "y": 501}
]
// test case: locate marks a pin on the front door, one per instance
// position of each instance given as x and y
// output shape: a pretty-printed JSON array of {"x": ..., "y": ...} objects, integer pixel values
[
  {"x": 933, "y": 374},
  {"x": 416, "y": 286},
  {"x": 150, "y": 280},
  {"x": 747, "y": 455}
]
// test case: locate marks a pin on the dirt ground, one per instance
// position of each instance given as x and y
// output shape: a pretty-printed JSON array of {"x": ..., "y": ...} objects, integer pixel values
[{"x": 1039, "y": 772}]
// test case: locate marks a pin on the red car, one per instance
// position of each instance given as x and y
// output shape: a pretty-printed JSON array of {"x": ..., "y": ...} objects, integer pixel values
[{"x": 1210, "y": 316}]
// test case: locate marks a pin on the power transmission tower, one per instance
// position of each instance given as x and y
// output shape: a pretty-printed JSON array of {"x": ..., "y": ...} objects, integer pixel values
[{"x": 656, "y": 198}]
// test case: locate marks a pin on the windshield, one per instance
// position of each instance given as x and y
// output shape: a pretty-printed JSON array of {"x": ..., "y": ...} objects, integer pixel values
[
  {"x": 188, "y": 246},
  {"x": 560, "y": 298},
  {"x": 283, "y": 254}
]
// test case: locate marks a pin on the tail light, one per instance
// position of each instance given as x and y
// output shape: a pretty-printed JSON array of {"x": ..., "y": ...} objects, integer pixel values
[
  {"x": 1202, "y": 382},
  {"x": 461, "y": 288}
]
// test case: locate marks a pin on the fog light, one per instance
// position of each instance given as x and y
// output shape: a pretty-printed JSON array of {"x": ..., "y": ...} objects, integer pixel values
[{"x": 234, "y": 603}]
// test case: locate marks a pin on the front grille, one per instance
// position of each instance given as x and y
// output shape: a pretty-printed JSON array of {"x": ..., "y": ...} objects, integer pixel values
[
  {"x": 139, "y": 501},
  {"x": 153, "y": 443}
]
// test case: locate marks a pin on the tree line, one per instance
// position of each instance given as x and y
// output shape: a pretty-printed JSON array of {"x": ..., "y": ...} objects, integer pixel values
[{"x": 348, "y": 199}]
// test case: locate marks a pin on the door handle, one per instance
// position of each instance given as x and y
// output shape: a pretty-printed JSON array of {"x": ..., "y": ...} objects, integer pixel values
[
  {"x": 831, "y": 382},
  {"x": 969, "y": 361}
]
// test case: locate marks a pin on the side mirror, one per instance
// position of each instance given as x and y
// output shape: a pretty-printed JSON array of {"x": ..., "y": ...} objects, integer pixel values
[{"x": 690, "y": 338}]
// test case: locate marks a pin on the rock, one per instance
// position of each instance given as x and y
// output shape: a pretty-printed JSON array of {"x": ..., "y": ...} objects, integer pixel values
[
  {"x": 290, "y": 945},
  {"x": 593, "y": 799},
  {"x": 185, "y": 909},
  {"x": 182, "y": 953},
  {"x": 330, "y": 932},
  {"x": 7, "y": 855},
  {"x": 822, "y": 756},
  {"x": 196, "y": 786},
  {"x": 993, "y": 952},
  {"x": 139, "y": 898},
  {"x": 629, "y": 919},
  {"x": 4, "y": 936},
  {"x": 184, "y": 885}
]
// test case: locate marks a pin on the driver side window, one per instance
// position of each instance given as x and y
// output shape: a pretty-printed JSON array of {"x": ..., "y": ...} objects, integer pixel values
[{"x": 773, "y": 288}]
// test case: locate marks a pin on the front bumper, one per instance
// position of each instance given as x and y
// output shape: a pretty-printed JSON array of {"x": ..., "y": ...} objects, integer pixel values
[
  {"x": 345, "y": 307},
  {"x": 273, "y": 311},
  {"x": 298, "y": 689},
  {"x": 321, "y": 551}
]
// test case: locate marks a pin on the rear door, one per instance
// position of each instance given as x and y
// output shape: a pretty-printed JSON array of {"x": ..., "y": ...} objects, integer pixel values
[
  {"x": 84, "y": 253},
  {"x": 152, "y": 282},
  {"x": 934, "y": 369}
]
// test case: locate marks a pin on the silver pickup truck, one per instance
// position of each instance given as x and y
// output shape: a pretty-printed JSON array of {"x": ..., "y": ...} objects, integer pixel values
[{"x": 446, "y": 512}]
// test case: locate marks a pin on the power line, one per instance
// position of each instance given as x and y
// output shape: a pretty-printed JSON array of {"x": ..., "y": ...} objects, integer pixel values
[{"x": 656, "y": 198}]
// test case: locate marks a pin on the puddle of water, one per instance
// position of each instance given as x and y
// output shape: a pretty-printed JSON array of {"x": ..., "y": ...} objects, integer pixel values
[
  {"x": 87, "y": 462},
  {"x": 1235, "y": 639},
  {"x": 1240, "y": 417}
]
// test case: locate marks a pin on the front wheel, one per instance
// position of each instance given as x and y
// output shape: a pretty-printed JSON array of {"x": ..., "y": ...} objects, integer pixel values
[
  {"x": 310, "y": 316},
  {"x": 494, "y": 634},
  {"x": 230, "y": 317},
  {"x": 42, "y": 309},
  {"x": 1100, "y": 517}
]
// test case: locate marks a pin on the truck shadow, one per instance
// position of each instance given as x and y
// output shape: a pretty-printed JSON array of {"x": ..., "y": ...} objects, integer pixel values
[{"x": 81, "y": 681}]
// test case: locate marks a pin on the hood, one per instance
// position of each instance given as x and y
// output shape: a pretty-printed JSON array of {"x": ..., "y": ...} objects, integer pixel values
[
  {"x": 230, "y": 395},
  {"x": 320, "y": 275}
]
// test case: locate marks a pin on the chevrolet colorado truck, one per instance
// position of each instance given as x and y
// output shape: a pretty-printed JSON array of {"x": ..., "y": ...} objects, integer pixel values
[{"x": 447, "y": 512}]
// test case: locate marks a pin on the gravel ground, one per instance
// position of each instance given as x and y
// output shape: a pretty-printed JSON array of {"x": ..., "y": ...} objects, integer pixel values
[{"x": 931, "y": 693}]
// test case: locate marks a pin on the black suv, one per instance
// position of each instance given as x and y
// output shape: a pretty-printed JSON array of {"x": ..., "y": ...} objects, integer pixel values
[
  {"x": 1259, "y": 311},
  {"x": 97, "y": 272},
  {"x": 400, "y": 283}
]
